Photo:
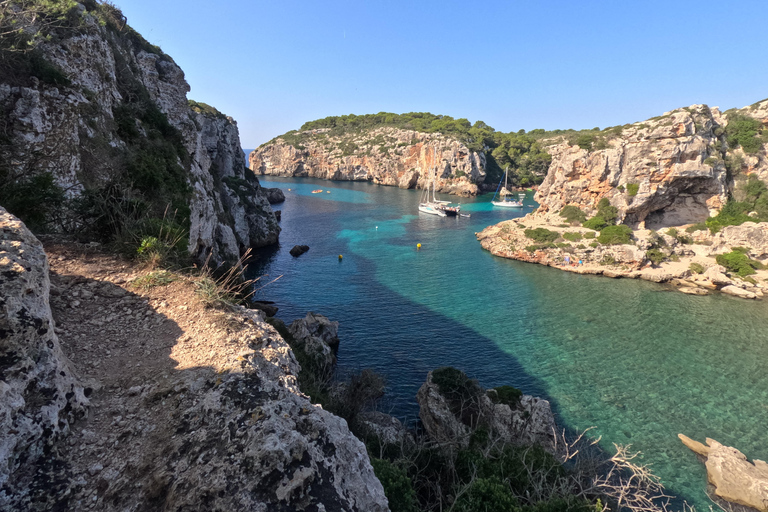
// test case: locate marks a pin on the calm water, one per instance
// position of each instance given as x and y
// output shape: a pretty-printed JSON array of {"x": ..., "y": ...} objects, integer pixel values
[{"x": 640, "y": 363}]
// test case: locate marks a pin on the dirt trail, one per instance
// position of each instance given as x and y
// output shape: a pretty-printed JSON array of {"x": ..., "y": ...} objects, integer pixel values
[{"x": 138, "y": 350}]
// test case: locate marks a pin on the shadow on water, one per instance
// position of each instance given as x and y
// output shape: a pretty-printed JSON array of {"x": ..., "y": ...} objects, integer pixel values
[{"x": 639, "y": 364}]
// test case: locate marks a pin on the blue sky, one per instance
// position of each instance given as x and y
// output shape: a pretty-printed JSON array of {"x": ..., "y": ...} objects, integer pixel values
[{"x": 513, "y": 64}]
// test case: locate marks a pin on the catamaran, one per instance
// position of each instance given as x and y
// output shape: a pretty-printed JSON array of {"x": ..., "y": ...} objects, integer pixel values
[{"x": 505, "y": 200}]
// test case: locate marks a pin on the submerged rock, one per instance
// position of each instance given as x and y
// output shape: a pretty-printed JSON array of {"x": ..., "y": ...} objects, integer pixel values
[{"x": 298, "y": 250}]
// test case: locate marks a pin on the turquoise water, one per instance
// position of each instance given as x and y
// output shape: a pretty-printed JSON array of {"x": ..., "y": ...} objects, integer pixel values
[{"x": 638, "y": 362}]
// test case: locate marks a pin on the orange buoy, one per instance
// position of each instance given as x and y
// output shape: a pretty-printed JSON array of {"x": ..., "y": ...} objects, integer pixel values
[{"x": 418, "y": 246}]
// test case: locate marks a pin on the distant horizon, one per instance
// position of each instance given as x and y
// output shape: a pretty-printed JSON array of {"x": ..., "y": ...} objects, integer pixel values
[{"x": 554, "y": 65}]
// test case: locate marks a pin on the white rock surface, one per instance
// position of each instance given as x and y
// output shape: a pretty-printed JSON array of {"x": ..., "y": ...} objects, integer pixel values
[{"x": 40, "y": 395}]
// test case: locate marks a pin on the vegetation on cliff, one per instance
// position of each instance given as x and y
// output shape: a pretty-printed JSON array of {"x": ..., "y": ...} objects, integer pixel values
[
  {"x": 145, "y": 175},
  {"x": 526, "y": 158}
]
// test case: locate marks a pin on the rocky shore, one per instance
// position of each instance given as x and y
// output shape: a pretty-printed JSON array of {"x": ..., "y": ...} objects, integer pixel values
[{"x": 587, "y": 256}]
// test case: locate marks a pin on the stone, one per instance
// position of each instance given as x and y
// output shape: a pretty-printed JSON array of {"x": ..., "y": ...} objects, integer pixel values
[
  {"x": 40, "y": 393},
  {"x": 387, "y": 429},
  {"x": 298, "y": 250},
  {"x": 268, "y": 308},
  {"x": 693, "y": 290},
  {"x": 229, "y": 210},
  {"x": 274, "y": 195},
  {"x": 735, "y": 478},
  {"x": 529, "y": 421},
  {"x": 318, "y": 338},
  {"x": 738, "y": 292}
]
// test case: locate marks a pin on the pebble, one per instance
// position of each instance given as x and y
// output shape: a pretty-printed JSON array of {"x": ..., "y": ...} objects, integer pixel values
[{"x": 96, "y": 468}]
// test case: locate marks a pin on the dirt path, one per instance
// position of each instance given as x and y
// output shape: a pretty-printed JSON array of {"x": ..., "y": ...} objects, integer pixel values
[{"x": 129, "y": 345}]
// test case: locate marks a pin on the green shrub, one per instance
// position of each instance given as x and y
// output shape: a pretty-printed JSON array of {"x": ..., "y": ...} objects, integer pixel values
[
  {"x": 620, "y": 188},
  {"x": 589, "y": 235},
  {"x": 487, "y": 495},
  {"x": 696, "y": 268},
  {"x": 608, "y": 260},
  {"x": 655, "y": 256},
  {"x": 734, "y": 213},
  {"x": 36, "y": 200},
  {"x": 597, "y": 223},
  {"x": 573, "y": 214},
  {"x": 542, "y": 235},
  {"x": 632, "y": 189},
  {"x": 738, "y": 262},
  {"x": 742, "y": 131},
  {"x": 585, "y": 141},
  {"x": 574, "y": 236},
  {"x": 594, "y": 244},
  {"x": 505, "y": 395},
  {"x": 700, "y": 226},
  {"x": 612, "y": 235},
  {"x": 397, "y": 486},
  {"x": 460, "y": 391}
]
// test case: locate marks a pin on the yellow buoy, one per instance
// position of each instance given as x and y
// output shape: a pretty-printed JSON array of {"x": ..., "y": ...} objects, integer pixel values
[
  {"x": 340, "y": 256},
  {"x": 289, "y": 190},
  {"x": 418, "y": 246}
]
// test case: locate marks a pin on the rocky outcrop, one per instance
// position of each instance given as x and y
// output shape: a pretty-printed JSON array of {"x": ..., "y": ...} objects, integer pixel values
[
  {"x": 274, "y": 195},
  {"x": 666, "y": 171},
  {"x": 217, "y": 421},
  {"x": 450, "y": 416},
  {"x": 734, "y": 478},
  {"x": 298, "y": 250},
  {"x": 317, "y": 337},
  {"x": 385, "y": 155},
  {"x": 40, "y": 394},
  {"x": 123, "y": 107},
  {"x": 577, "y": 250}
]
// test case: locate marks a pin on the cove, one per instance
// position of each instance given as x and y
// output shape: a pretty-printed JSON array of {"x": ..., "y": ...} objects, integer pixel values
[{"x": 636, "y": 361}]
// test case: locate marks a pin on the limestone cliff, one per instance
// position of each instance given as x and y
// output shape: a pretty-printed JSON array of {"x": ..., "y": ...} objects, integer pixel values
[
  {"x": 190, "y": 407},
  {"x": 110, "y": 123},
  {"x": 670, "y": 170},
  {"x": 383, "y": 155}
]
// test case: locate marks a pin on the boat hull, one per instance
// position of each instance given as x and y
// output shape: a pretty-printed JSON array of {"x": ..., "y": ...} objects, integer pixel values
[{"x": 507, "y": 204}]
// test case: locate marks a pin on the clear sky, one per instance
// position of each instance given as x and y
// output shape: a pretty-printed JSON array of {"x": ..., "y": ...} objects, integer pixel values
[{"x": 272, "y": 65}]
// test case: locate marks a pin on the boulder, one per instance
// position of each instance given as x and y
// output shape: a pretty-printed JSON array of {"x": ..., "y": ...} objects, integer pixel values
[
  {"x": 317, "y": 337},
  {"x": 298, "y": 250},
  {"x": 274, "y": 195},
  {"x": 527, "y": 421},
  {"x": 735, "y": 478},
  {"x": 267, "y": 307},
  {"x": 40, "y": 394},
  {"x": 388, "y": 429},
  {"x": 738, "y": 292}
]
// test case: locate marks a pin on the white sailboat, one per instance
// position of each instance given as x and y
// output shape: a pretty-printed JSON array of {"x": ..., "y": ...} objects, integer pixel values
[
  {"x": 431, "y": 206},
  {"x": 505, "y": 200}
]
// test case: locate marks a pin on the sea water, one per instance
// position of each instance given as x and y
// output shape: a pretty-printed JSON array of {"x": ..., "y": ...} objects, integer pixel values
[{"x": 635, "y": 360}]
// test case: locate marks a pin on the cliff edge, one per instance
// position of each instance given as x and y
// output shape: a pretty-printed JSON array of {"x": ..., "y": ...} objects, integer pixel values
[{"x": 190, "y": 406}]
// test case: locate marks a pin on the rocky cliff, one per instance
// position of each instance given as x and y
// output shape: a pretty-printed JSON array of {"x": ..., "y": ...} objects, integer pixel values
[
  {"x": 383, "y": 155},
  {"x": 189, "y": 408},
  {"x": 108, "y": 121},
  {"x": 671, "y": 170}
]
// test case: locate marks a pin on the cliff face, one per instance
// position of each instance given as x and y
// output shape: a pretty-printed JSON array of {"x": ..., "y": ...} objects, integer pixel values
[
  {"x": 117, "y": 116},
  {"x": 386, "y": 156},
  {"x": 667, "y": 171}
]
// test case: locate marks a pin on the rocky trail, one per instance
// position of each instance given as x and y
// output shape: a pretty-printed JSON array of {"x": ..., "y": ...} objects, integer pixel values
[{"x": 191, "y": 407}]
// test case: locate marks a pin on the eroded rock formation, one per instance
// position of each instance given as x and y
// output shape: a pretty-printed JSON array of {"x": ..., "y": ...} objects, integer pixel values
[
  {"x": 450, "y": 417},
  {"x": 673, "y": 161},
  {"x": 40, "y": 394},
  {"x": 386, "y": 156},
  {"x": 192, "y": 407},
  {"x": 106, "y": 116},
  {"x": 734, "y": 478}
]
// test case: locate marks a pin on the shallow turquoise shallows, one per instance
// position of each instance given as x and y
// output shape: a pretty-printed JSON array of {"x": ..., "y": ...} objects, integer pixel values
[{"x": 635, "y": 360}]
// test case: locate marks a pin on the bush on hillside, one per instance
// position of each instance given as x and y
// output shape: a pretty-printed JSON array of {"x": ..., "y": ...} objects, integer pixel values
[
  {"x": 738, "y": 262},
  {"x": 573, "y": 213},
  {"x": 542, "y": 235},
  {"x": 612, "y": 235}
]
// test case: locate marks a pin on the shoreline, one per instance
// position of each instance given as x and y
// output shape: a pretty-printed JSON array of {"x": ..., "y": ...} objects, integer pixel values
[{"x": 587, "y": 256}]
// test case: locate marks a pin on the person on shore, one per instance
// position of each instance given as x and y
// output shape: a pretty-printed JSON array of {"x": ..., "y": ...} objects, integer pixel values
[{"x": 567, "y": 259}]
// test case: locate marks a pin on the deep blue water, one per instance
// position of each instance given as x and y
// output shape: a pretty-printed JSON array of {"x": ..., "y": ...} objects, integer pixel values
[{"x": 631, "y": 358}]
